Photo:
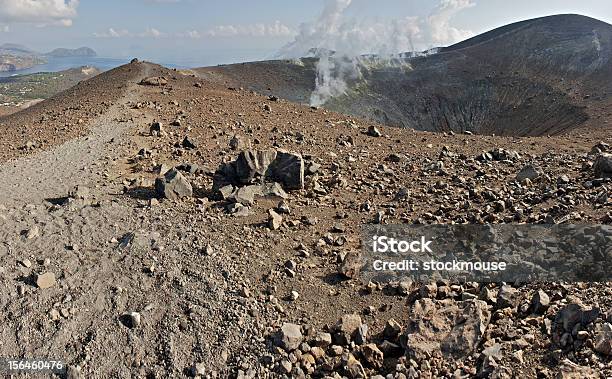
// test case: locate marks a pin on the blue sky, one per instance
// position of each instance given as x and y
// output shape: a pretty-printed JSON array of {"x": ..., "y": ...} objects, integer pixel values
[{"x": 206, "y": 32}]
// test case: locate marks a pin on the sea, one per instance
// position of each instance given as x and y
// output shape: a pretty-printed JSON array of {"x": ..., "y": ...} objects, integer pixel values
[{"x": 66, "y": 63}]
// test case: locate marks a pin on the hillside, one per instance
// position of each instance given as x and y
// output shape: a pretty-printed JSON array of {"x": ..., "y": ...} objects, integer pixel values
[
  {"x": 20, "y": 91},
  {"x": 14, "y": 57},
  {"x": 123, "y": 268},
  {"x": 536, "y": 77}
]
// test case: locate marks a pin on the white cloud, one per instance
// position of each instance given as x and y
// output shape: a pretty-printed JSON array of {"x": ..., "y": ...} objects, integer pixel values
[
  {"x": 148, "y": 33},
  {"x": 192, "y": 34},
  {"x": 112, "y": 33},
  {"x": 39, "y": 12},
  {"x": 276, "y": 29},
  {"x": 151, "y": 33}
]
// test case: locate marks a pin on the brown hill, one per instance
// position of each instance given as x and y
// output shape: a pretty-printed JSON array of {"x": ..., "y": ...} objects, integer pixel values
[
  {"x": 146, "y": 286},
  {"x": 536, "y": 77}
]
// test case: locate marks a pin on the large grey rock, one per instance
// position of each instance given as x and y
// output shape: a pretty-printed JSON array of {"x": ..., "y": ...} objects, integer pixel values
[
  {"x": 251, "y": 165},
  {"x": 173, "y": 186},
  {"x": 603, "y": 166},
  {"x": 260, "y": 167},
  {"x": 288, "y": 169}
]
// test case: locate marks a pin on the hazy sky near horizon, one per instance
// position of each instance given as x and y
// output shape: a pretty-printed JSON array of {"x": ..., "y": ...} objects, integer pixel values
[{"x": 207, "y": 32}]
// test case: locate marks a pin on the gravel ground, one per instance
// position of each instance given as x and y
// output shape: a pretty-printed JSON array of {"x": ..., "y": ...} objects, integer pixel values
[{"x": 118, "y": 282}]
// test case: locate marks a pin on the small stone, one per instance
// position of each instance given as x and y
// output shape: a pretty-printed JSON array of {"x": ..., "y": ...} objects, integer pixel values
[
  {"x": 351, "y": 266},
  {"x": 569, "y": 317},
  {"x": 131, "y": 320},
  {"x": 238, "y": 143},
  {"x": 285, "y": 367},
  {"x": 507, "y": 297},
  {"x": 46, "y": 280},
  {"x": 313, "y": 168},
  {"x": 372, "y": 355},
  {"x": 274, "y": 220},
  {"x": 33, "y": 232},
  {"x": 322, "y": 340},
  {"x": 392, "y": 330},
  {"x": 603, "y": 339},
  {"x": 245, "y": 195},
  {"x": 54, "y": 314},
  {"x": 173, "y": 186},
  {"x": 26, "y": 263},
  {"x": 79, "y": 192},
  {"x": 355, "y": 369},
  {"x": 283, "y": 208},
  {"x": 199, "y": 369},
  {"x": 361, "y": 336},
  {"x": 529, "y": 172},
  {"x": 347, "y": 327},
  {"x": 156, "y": 129},
  {"x": 289, "y": 337},
  {"x": 189, "y": 143},
  {"x": 603, "y": 166},
  {"x": 429, "y": 291},
  {"x": 540, "y": 302},
  {"x": 74, "y": 372},
  {"x": 291, "y": 265},
  {"x": 373, "y": 131},
  {"x": 226, "y": 191},
  {"x": 154, "y": 81},
  {"x": 294, "y": 295}
]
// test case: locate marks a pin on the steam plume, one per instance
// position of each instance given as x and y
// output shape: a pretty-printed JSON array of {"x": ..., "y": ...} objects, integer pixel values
[{"x": 340, "y": 42}]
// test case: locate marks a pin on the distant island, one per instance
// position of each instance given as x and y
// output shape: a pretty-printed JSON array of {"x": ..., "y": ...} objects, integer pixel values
[
  {"x": 15, "y": 57},
  {"x": 15, "y": 63},
  {"x": 80, "y": 52}
]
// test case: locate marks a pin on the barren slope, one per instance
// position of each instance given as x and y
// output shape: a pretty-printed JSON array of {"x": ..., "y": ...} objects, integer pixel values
[
  {"x": 536, "y": 77},
  {"x": 212, "y": 288}
]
